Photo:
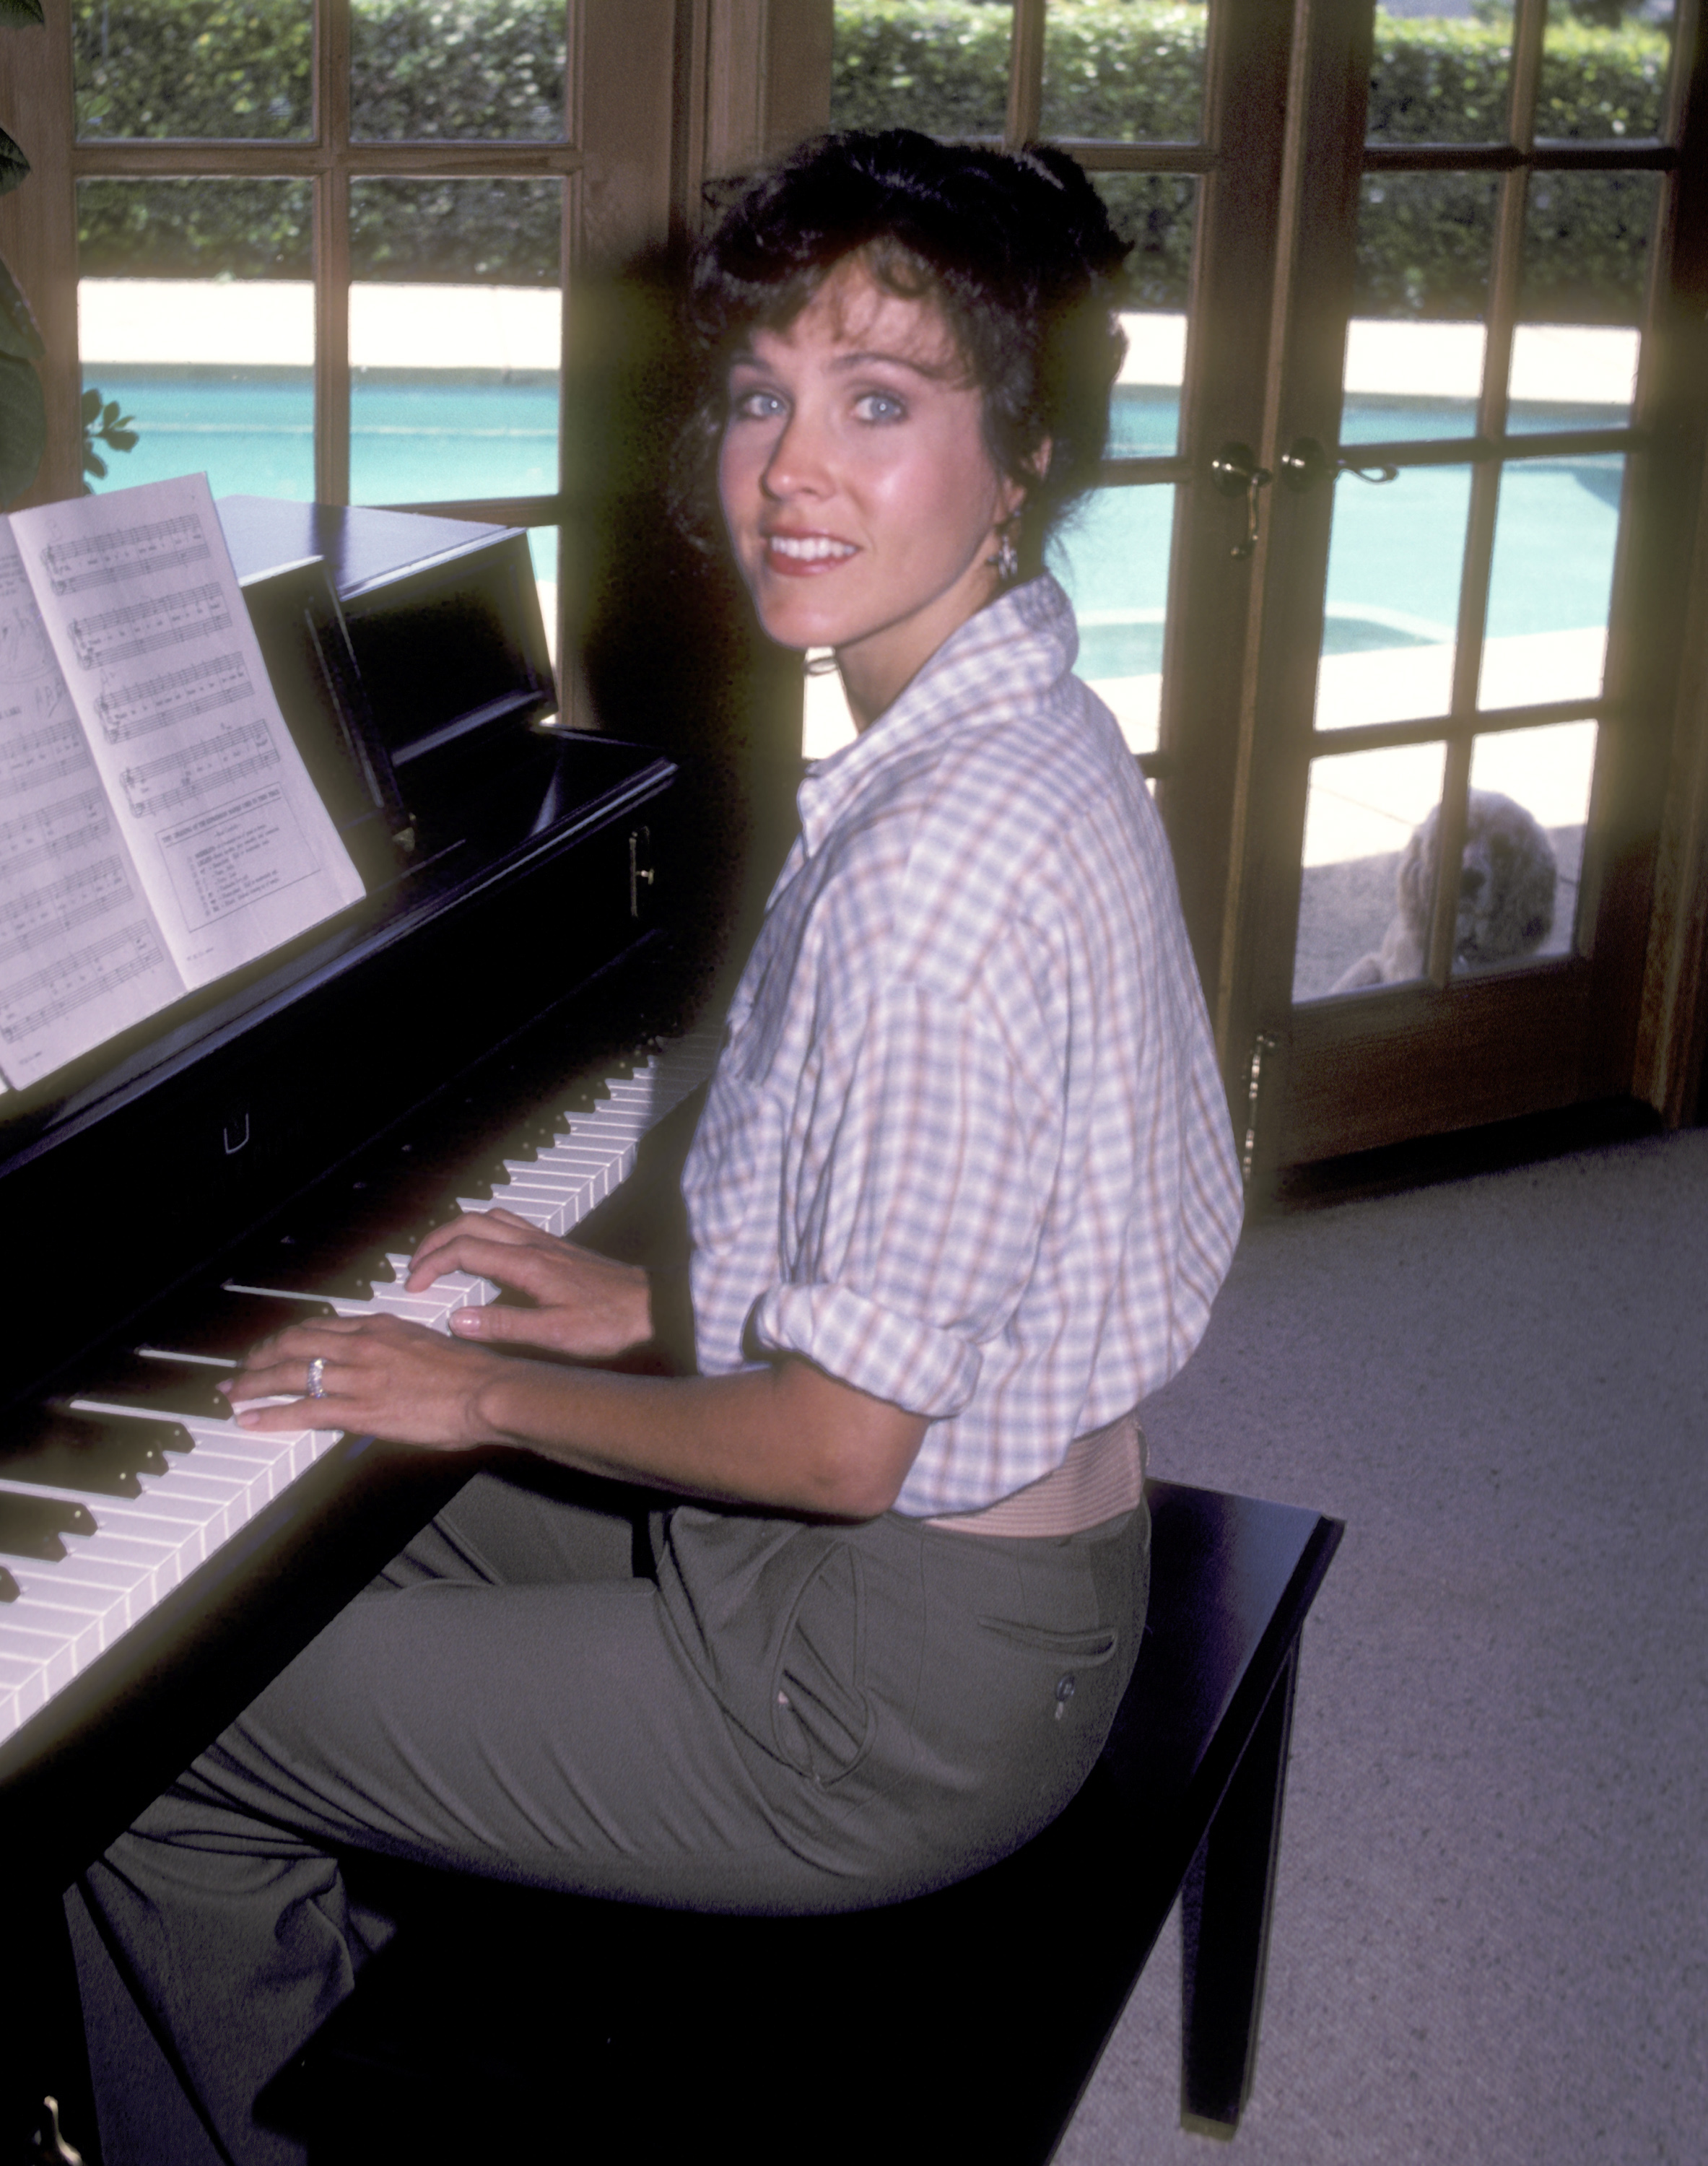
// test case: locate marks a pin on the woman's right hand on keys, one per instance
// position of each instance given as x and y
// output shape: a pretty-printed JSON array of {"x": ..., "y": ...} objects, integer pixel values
[{"x": 585, "y": 1305}]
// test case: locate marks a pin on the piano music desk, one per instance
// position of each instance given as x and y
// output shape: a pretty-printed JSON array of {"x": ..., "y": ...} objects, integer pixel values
[{"x": 504, "y": 2023}]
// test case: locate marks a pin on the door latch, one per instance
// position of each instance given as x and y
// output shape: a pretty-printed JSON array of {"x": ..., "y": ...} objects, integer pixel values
[
  {"x": 1236, "y": 473},
  {"x": 1304, "y": 463}
]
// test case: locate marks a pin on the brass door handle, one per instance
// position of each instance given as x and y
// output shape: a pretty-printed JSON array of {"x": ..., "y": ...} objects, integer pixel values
[{"x": 1304, "y": 463}]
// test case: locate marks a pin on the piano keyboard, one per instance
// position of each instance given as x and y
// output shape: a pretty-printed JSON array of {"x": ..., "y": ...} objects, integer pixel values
[{"x": 83, "y": 1563}]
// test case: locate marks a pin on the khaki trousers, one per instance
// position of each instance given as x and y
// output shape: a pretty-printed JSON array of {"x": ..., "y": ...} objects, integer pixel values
[{"x": 792, "y": 1717}]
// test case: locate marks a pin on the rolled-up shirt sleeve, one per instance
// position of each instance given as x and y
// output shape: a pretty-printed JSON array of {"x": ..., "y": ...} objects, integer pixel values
[{"x": 912, "y": 1206}]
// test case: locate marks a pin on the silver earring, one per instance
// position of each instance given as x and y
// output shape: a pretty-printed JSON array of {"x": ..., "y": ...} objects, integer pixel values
[{"x": 1006, "y": 562}]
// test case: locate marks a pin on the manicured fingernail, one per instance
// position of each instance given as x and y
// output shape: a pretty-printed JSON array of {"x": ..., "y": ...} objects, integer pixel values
[
  {"x": 465, "y": 1319},
  {"x": 249, "y": 1421}
]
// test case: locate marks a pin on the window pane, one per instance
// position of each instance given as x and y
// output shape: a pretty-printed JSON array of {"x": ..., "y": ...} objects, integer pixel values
[
  {"x": 492, "y": 69},
  {"x": 453, "y": 339},
  {"x": 1575, "y": 350},
  {"x": 192, "y": 67},
  {"x": 1366, "y": 885},
  {"x": 1113, "y": 559},
  {"x": 1396, "y": 555},
  {"x": 1605, "y": 79},
  {"x": 940, "y": 66},
  {"x": 196, "y": 315},
  {"x": 1551, "y": 581},
  {"x": 542, "y": 544},
  {"x": 1415, "y": 347},
  {"x": 1524, "y": 845},
  {"x": 1157, "y": 214},
  {"x": 1123, "y": 74},
  {"x": 1438, "y": 77}
]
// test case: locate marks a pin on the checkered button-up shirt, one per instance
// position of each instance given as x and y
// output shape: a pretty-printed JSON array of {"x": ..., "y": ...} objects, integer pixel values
[{"x": 967, "y": 1148}]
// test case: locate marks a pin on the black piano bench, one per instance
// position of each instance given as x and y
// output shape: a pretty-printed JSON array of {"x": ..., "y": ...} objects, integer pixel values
[{"x": 505, "y": 2024}]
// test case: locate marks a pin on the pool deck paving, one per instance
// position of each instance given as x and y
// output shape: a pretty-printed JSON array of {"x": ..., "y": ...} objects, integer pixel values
[{"x": 270, "y": 323}]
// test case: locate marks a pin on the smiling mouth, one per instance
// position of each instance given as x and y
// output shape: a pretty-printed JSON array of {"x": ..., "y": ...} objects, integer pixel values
[{"x": 809, "y": 548}]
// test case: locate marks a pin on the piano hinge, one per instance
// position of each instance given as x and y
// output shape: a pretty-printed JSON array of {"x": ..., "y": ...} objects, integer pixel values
[{"x": 1262, "y": 1047}]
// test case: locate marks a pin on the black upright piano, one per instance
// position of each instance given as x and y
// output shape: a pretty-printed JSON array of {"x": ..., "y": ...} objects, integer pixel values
[{"x": 291, "y": 1126}]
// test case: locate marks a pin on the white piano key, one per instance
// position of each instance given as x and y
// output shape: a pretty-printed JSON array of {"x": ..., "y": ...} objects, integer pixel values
[
  {"x": 119, "y": 1592},
  {"x": 468, "y": 1291},
  {"x": 557, "y": 1181},
  {"x": 550, "y": 1217},
  {"x": 23, "y": 1689},
  {"x": 182, "y": 1497},
  {"x": 54, "y": 1650},
  {"x": 193, "y": 1526},
  {"x": 607, "y": 1168},
  {"x": 610, "y": 1132},
  {"x": 142, "y": 1547},
  {"x": 164, "y": 1559},
  {"x": 80, "y": 1603},
  {"x": 388, "y": 1300}
]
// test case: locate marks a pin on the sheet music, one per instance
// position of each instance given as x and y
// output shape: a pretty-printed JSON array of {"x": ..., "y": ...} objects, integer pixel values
[
  {"x": 80, "y": 955},
  {"x": 234, "y": 850}
]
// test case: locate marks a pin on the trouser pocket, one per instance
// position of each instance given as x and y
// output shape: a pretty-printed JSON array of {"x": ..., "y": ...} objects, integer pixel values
[{"x": 774, "y": 1616}]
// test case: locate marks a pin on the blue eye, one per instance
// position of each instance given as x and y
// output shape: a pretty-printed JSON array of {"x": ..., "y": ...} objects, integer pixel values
[
  {"x": 754, "y": 406},
  {"x": 881, "y": 406}
]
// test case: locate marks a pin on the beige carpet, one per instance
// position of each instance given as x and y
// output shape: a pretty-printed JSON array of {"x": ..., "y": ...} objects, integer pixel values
[{"x": 1491, "y": 1927}]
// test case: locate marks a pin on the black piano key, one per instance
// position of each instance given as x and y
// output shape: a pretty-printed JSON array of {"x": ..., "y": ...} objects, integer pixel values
[
  {"x": 320, "y": 1263},
  {"x": 8, "y": 1586},
  {"x": 31, "y": 1526},
  {"x": 217, "y": 1322},
  {"x": 157, "y": 1386},
  {"x": 102, "y": 1455}
]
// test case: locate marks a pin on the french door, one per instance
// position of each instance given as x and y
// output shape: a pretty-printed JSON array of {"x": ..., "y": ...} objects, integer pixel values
[
  {"x": 1461, "y": 659},
  {"x": 1389, "y": 579}
]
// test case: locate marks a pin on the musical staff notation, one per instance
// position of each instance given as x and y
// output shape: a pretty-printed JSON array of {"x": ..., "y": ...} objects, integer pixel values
[
  {"x": 234, "y": 756},
  {"x": 37, "y": 756},
  {"x": 124, "y": 552},
  {"x": 144, "y": 627},
  {"x": 93, "y": 973},
  {"x": 176, "y": 695},
  {"x": 43, "y": 915},
  {"x": 51, "y": 831}
]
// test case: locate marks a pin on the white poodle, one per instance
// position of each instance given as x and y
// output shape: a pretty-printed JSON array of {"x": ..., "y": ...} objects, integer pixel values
[{"x": 1506, "y": 895}]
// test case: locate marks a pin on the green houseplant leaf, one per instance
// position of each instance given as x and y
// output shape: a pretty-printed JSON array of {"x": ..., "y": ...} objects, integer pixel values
[
  {"x": 22, "y": 425},
  {"x": 19, "y": 14},
  {"x": 13, "y": 164},
  {"x": 18, "y": 335}
]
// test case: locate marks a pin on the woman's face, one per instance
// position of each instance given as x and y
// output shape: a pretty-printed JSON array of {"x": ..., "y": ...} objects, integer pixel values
[{"x": 859, "y": 495}]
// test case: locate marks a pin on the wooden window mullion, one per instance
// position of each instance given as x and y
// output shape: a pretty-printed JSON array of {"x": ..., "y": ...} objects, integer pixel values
[
  {"x": 1025, "y": 76},
  {"x": 332, "y": 252}
]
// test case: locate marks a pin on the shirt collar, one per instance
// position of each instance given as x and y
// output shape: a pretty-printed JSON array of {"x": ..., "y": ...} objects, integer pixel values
[{"x": 998, "y": 662}]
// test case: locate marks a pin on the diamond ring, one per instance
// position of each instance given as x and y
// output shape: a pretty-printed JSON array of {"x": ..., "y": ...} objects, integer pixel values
[{"x": 317, "y": 1378}]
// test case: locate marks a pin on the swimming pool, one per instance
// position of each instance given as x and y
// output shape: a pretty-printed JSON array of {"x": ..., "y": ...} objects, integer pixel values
[
  {"x": 1394, "y": 562},
  {"x": 416, "y": 435}
]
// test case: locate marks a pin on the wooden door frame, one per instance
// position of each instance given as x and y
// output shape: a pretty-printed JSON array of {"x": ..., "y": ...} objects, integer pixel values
[{"x": 1627, "y": 1022}]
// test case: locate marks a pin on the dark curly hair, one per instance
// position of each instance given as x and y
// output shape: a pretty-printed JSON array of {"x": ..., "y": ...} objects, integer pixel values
[{"x": 1014, "y": 246}]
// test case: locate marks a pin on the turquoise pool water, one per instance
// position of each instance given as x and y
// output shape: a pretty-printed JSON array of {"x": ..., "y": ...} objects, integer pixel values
[
  {"x": 1394, "y": 557},
  {"x": 414, "y": 438}
]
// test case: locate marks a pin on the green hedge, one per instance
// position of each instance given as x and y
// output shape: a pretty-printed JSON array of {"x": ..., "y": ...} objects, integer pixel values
[
  {"x": 418, "y": 69},
  {"x": 1128, "y": 70},
  {"x": 1131, "y": 71}
]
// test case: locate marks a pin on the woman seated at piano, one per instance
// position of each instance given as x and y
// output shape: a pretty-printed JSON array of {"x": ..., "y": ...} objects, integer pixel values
[{"x": 961, "y": 1195}]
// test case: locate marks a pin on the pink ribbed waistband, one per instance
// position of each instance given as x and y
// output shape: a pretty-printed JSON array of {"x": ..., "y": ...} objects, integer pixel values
[{"x": 1102, "y": 1476}]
